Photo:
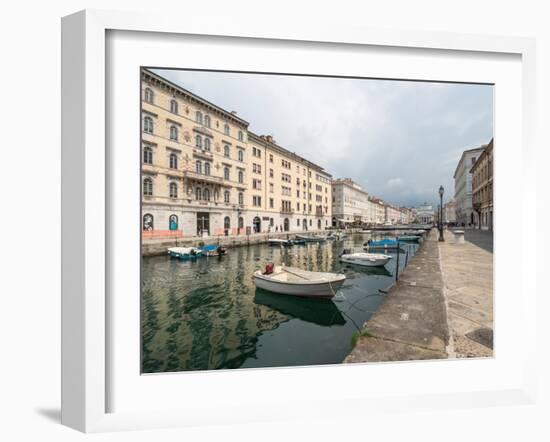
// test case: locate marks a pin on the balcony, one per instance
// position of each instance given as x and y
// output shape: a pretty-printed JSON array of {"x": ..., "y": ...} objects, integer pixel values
[
  {"x": 201, "y": 153},
  {"x": 201, "y": 177},
  {"x": 287, "y": 211}
]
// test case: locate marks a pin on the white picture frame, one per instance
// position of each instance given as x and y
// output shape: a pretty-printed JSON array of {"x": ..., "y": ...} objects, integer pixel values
[{"x": 86, "y": 316}]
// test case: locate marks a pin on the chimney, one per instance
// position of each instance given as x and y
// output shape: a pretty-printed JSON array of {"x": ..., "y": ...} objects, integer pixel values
[{"x": 269, "y": 138}]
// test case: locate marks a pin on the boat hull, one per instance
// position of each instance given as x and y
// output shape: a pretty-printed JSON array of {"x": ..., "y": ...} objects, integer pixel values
[
  {"x": 319, "y": 290},
  {"x": 377, "y": 262}
]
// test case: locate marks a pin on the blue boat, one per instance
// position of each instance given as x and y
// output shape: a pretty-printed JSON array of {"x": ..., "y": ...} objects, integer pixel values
[
  {"x": 212, "y": 250},
  {"x": 382, "y": 244},
  {"x": 184, "y": 252}
]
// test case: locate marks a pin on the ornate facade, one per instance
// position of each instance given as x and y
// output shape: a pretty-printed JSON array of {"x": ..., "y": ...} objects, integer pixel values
[{"x": 482, "y": 188}]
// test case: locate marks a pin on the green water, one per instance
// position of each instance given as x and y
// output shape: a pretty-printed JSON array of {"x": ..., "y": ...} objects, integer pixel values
[{"x": 207, "y": 314}]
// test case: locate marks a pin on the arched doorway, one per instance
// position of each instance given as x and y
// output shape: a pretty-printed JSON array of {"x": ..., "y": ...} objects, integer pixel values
[
  {"x": 148, "y": 222},
  {"x": 319, "y": 224},
  {"x": 286, "y": 224},
  {"x": 304, "y": 224},
  {"x": 257, "y": 224},
  {"x": 226, "y": 225},
  {"x": 333, "y": 222},
  {"x": 173, "y": 222}
]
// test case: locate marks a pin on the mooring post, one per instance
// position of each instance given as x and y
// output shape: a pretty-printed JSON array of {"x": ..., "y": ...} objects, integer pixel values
[{"x": 397, "y": 266}]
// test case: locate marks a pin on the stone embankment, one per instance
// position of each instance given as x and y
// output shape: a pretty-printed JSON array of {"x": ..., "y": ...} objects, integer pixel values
[{"x": 441, "y": 307}]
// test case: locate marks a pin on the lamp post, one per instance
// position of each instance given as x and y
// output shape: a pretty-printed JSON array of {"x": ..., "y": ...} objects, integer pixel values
[{"x": 441, "y": 191}]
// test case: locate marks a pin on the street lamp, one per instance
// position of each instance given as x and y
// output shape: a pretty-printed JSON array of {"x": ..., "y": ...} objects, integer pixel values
[{"x": 441, "y": 191}]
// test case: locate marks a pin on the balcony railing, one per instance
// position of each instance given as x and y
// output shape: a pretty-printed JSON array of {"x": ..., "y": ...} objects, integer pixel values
[
  {"x": 287, "y": 210},
  {"x": 201, "y": 153},
  {"x": 201, "y": 177}
]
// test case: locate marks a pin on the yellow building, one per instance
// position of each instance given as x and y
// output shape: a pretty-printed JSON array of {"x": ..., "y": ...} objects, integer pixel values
[{"x": 204, "y": 173}]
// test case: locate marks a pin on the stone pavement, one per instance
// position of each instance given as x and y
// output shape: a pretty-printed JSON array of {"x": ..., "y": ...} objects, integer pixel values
[
  {"x": 467, "y": 271},
  {"x": 411, "y": 324}
]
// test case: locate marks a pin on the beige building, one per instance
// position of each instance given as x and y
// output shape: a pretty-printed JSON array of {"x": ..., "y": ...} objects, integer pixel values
[
  {"x": 379, "y": 209},
  {"x": 204, "y": 173},
  {"x": 463, "y": 185},
  {"x": 350, "y": 203},
  {"x": 482, "y": 189}
]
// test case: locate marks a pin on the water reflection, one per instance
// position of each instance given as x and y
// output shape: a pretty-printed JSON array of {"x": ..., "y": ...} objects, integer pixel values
[{"x": 207, "y": 314}]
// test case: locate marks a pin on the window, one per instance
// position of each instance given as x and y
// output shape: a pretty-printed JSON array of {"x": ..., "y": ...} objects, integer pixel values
[
  {"x": 226, "y": 196},
  {"x": 173, "y": 133},
  {"x": 147, "y": 155},
  {"x": 241, "y": 222},
  {"x": 226, "y": 129},
  {"x": 206, "y": 195},
  {"x": 226, "y": 223},
  {"x": 270, "y": 173},
  {"x": 207, "y": 144},
  {"x": 198, "y": 166},
  {"x": 207, "y": 168},
  {"x": 173, "y": 190},
  {"x": 271, "y": 203},
  {"x": 270, "y": 158},
  {"x": 256, "y": 201},
  {"x": 173, "y": 161},
  {"x": 198, "y": 117},
  {"x": 270, "y": 187},
  {"x": 173, "y": 222},
  {"x": 240, "y": 155},
  {"x": 149, "y": 95},
  {"x": 241, "y": 176},
  {"x": 241, "y": 136},
  {"x": 226, "y": 173},
  {"x": 147, "y": 187},
  {"x": 148, "y": 125},
  {"x": 198, "y": 141},
  {"x": 198, "y": 193},
  {"x": 257, "y": 184},
  {"x": 174, "y": 106},
  {"x": 298, "y": 222},
  {"x": 226, "y": 151},
  {"x": 241, "y": 198},
  {"x": 207, "y": 120}
]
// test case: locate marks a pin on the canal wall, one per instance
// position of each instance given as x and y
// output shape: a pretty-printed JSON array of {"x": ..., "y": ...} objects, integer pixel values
[
  {"x": 159, "y": 246},
  {"x": 411, "y": 323}
]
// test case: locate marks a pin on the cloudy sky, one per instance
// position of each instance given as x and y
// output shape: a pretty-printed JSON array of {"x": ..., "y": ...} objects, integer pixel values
[{"x": 398, "y": 139}]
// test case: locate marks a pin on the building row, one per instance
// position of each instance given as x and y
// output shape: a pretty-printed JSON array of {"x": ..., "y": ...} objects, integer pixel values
[
  {"x": 204, "y": 172},
  {"x": 473, "y": 178}
]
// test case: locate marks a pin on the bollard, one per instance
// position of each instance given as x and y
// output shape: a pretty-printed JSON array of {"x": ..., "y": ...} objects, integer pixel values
[{"x": 459, "y": 236}]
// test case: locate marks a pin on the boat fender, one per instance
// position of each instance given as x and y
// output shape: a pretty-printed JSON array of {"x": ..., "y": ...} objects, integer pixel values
[{"x": 269, "y": 268}]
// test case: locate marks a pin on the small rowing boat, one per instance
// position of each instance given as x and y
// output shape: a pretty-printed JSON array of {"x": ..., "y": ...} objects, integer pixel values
[
  {"x": 312, "y": 238},
  {"x": 297, "y": 282},
  {"x": 366, "y": 259},
  {"x": 279, "y": 242}
]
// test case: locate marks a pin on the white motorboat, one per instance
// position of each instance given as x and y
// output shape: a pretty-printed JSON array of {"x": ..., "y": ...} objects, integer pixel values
[
  {"x": 279, "y": 242},
  {"x": 297, "y": 282},
  {"x": 366, "y": 259},
  {"x": 366, "y": 231},
  {"x": 184, "y": 252}
]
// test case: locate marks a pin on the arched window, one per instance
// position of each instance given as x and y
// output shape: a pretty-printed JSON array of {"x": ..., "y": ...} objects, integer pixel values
[
  {"x": 198, "y": 141},
  {"x": 241, "y": 176},
  {"x": 226, "y": 129},
  {"x": 226, "y": 151},
  {"x": 173, "y": 161},
  {"x": 241, "y": 136},
  {"x": 226, "y": 173},
  {"x": 207, "y": 120},
  {"x": 148, "y": 125},
  {"x": 240, "y": 155},
  {"x": 148, "y": 187},
  {"x": 207, "y": 144},
  {"x": 207, "y": 168},
  {"x": 149, "y": 95},
  {"x": 198, "y": 193},
  {"x": 241, "y": 222},
  {"x": 241, "y": 198},
  {"x": 147, "y": 155},
  {"x": 174, "y": 106},
  {"x": 198, "y": 117},
  {"x": 173, "y": 222},
  {"x": 226, "y": 196},
  {"x": 226, "y": 223},
  {"x": 206, "y": 195},
  {"x": 173, "y": 133},
  {"x": 148, "y": 222},
  {"x": 173, "y": 190},
  {"x": 198, "y": 166}
]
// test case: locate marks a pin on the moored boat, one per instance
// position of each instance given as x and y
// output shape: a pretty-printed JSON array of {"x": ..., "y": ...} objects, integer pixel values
[
  {"x": 366, "y": 259},
  {"x": 297, "y": 282},
  {"x": 409, "y": 238},
  {"x": 213, "y": 250},
  {"x": 298, "y": 242},
  {"x": 383, "y": 244},
  {"x": 312, "y": 238},
  {"x": 184, "y": 252},
  {"x": 279, "y": 242}
]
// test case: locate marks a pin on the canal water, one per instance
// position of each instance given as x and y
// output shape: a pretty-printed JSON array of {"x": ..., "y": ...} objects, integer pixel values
[{"x": 207, "y": 314}]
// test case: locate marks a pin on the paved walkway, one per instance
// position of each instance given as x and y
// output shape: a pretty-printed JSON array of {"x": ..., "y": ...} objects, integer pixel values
[
  {"x": 411, "y": 324},
  {"x": 480, "y": 238},
  {"x": 467, "y": 271}
]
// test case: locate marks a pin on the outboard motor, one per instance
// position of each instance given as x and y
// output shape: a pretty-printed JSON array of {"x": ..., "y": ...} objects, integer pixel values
[{"x": 221, "y": 250}]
